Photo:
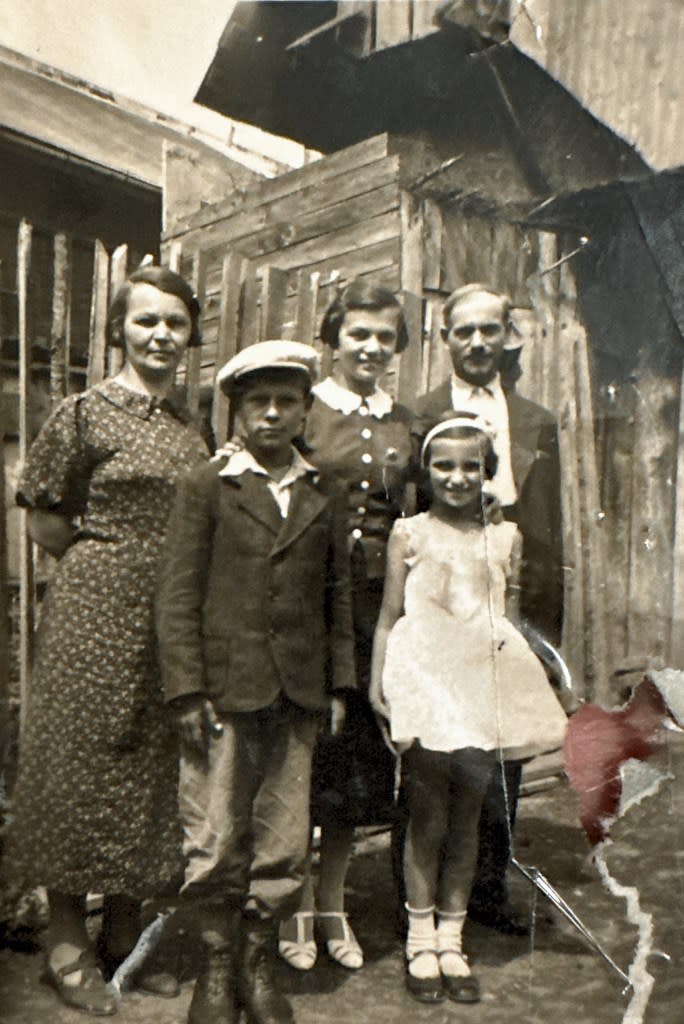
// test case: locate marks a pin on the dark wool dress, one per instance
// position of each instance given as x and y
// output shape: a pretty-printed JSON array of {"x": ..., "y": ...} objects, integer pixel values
[
  {"x": 95, "y": 804},
  {"x": 353, "y": 774}
]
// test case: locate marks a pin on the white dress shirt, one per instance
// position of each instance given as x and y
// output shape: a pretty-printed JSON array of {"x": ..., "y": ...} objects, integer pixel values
[
  {"x": 281, "y": 490},
  {"x": 489, "y": 402}
]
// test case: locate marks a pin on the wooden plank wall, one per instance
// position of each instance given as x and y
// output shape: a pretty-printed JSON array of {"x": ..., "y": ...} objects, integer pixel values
[
  {"x": 273, "y": 258},
  {"x": 108, "y": 274}
]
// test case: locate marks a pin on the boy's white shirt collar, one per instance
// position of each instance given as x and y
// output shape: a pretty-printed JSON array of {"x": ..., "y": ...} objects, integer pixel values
[
  {"x": 241, "y": 461},
  {"x": 334, "y": 394}
]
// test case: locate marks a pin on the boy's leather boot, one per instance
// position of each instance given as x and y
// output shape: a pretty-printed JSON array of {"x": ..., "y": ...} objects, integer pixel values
[
  {"x": 259, "y": 994},
  {"x": 214, "y": 999}
]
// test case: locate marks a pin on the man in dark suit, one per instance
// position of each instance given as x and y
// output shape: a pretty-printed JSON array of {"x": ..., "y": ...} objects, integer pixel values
[
  {"x": 256, "y": 642},
  {"x": 480, "y": 337}
]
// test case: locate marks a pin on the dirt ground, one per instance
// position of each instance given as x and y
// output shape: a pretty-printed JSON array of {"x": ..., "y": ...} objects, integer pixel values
[{"x": 553, "y": 977}]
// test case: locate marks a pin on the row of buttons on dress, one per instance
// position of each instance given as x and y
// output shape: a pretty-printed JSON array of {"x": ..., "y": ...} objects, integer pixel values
[{"x": 367, "y": 459}]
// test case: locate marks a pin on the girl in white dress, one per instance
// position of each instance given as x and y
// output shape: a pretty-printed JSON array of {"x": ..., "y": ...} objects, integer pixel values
[{"x": 459, "y": 686}]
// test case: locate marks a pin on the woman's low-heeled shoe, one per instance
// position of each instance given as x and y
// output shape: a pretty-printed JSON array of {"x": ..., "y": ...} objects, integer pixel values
[
  {"x": 345, "y": 950},
  {"x": 300, "y": 953},
  {"x": 91, "y": 994},
  {"x": 425, "y": 990}
]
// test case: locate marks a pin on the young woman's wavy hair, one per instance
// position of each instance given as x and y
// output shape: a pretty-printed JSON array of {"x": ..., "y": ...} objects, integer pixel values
[{"x": 362, "y": 294}]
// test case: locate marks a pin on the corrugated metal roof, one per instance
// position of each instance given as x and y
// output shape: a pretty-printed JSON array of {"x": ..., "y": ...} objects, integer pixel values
[{"x": 622, "y": 59}]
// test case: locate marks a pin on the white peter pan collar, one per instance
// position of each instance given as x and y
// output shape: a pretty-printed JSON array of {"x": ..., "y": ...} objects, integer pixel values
[{"x": 379, "y": 403}]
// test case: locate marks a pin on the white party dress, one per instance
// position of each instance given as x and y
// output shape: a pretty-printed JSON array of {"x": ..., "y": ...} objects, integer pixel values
[{"x": 457, "y": 672}]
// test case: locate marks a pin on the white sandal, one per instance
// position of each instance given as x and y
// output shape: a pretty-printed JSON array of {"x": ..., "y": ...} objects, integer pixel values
[
  {"x": 345, "y": 951},
  {"x": 301, "y": 952}
]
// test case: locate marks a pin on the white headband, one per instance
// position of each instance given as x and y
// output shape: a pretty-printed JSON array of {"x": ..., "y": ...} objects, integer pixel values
[{"x": 476, "y": 423}]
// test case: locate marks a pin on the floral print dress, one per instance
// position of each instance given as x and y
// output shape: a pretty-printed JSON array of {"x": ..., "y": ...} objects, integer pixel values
[{"x": 95, "y": 804}]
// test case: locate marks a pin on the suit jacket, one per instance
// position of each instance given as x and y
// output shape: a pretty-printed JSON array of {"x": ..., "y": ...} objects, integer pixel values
[
  {"x": 251, "y": 605},
  {"x": 536, "y": 470}
]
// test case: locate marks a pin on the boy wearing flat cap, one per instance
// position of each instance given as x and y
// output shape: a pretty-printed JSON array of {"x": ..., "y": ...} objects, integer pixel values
[{"x": 255, "y": 634}]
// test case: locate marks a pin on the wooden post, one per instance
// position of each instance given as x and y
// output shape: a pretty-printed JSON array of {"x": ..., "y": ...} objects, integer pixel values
[
  {"x": 307, "y": 295},
  {"x": 118, "y": 268},
  {"x": 676, "y": 652},
  {"x": 26, "y": 565},
  {"x": 273, "y": 295},
  {"x": 61, "y": 309},
  {"x": 194, "y": 357},
  {"x": 228, "y": 341},
  {"x": 392, "y": 23},
  {"x": 593, "y": 548},
  {"x": 4, "y": 568},
  {"x": 98, "y": 315},
  {"x": 249, "y": 313},
  {"x": 411, "y": 281}
]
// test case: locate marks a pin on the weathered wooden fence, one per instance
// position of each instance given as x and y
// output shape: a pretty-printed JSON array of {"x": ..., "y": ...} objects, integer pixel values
[{"x": 22, "y": 567}]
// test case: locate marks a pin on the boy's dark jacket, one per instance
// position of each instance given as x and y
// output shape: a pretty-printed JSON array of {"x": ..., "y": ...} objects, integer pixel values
[{"x": 250, "y": 605}]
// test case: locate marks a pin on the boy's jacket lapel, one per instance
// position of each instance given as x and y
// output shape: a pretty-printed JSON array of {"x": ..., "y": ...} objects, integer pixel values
[
  {"x": 254, "y": 498},
  {"x": 306, "y": 502}
]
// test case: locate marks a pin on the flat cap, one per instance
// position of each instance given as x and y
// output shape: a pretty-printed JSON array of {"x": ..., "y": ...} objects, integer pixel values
[{"x": 269, "y": 355}]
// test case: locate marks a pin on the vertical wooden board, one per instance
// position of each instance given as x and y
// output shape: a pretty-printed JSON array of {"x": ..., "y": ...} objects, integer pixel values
[
  {"x": 273, "y": 294},
  {"x": 118, "y": 269},
  {"x": 424, "y": 17},
  {"x": 392, "y": 23},
  {"x": 543, "y": 288},
  {"x": 4, "y": 572},
  {"x": 175, "y": 255},
  {"x": 410, "y": 364},
  {"x": 530, "y": 360},
  {"x": 26, "y": 562},
  {"x": 650, "y": 590},
  {"x": 411, "y": 243},
  {"x": 432, "y": 243},
  {"x": 411, "y": 270},
  {"x": 593, "y": 546},
  {"x": 228, "y": 335},
  {"x": 59, "y": 328},
  {"x": 615, "y": 449},
  {"x": 4, "y": 568},
  {"x": 249, "y": 312},
  {"x": 676, "y": 651},
  {"x": 194, "y": 356},
  {"x": 307, "y": 301},
  {"x": 454, "y": 251},
  {"x": 98, "y": 314}
]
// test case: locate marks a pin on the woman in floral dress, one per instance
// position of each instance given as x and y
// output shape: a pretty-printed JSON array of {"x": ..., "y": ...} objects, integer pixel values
[{"x": 95, "y": 799}]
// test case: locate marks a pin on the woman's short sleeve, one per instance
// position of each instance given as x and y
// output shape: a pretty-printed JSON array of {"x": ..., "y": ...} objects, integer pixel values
[{"x": 53, "y": 476}]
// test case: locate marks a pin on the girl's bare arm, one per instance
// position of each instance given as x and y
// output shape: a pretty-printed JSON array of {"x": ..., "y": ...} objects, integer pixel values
[{"x": 391, "y": 610}]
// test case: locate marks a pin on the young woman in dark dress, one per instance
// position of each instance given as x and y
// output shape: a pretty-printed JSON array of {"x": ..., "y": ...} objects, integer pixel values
[{"x": 356, "y": 432}]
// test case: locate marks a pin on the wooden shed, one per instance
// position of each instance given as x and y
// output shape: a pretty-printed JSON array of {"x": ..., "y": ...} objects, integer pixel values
[{"x": 266, "y": 263}]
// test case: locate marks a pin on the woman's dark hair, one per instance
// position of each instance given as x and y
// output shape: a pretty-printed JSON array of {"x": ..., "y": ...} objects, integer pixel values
[
  {"x": 362, "y": 294},
  {"x": 166, "y": 281}
]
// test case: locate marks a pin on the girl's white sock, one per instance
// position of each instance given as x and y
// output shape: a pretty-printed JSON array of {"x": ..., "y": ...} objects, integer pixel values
[
  {"x": 449, "y": 932},
  {"x": 421, "y": 939}
]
